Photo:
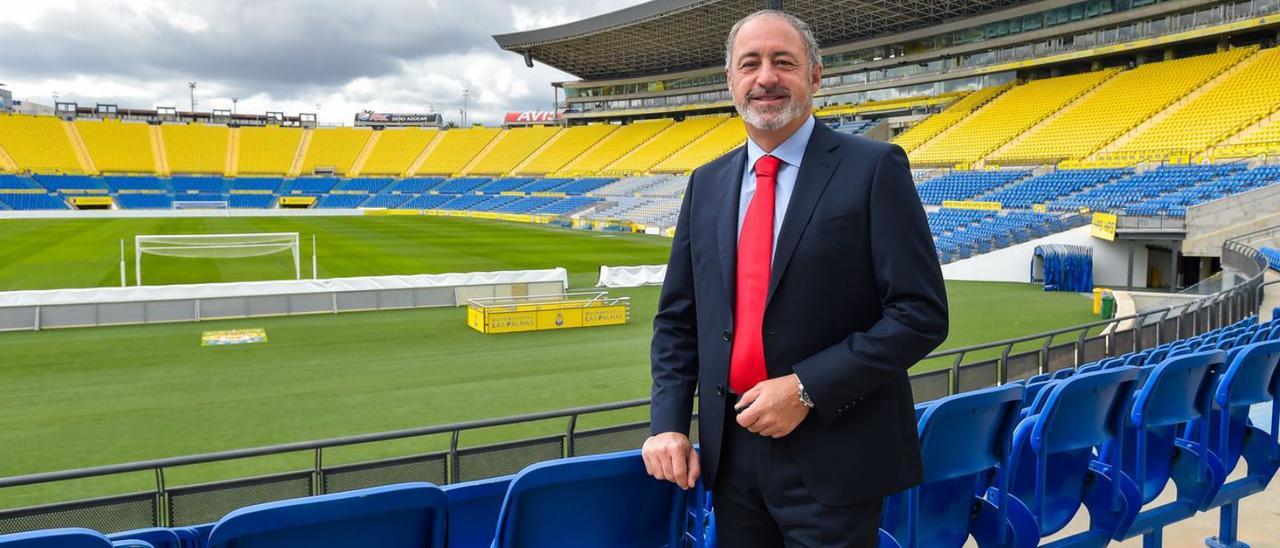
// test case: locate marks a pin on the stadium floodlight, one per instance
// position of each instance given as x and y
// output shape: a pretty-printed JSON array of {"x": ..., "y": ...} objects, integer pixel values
[{"x": 216, "y": 246}]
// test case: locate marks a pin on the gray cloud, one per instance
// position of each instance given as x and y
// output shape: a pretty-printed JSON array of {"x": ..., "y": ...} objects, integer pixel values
[{"x": 284, "y": 54}]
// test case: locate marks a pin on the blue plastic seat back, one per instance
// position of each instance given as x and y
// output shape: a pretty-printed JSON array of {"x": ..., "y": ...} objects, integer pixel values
[
  {"x": 157, "y": 537},
  {"x": 404, "y": 515},
  {"x": 1062, "y": 374},
  {"x": 473, "y": 511},
  {"x": 600, "y": 500},
  {"x": 1079, "y": 411},
  {"x": 968, "y": 433},
  {"x": 71, "y": 537},
  {"x": 1174, "y": 393},
  {"x": 1112, "y": 363},
  {"x": 1089, "y": 368},
  {"x": 963, "y": 438},
  {"x": 1135, "y": 360},
  {"x": 1251, "y": 377},
  {"x": 1029, "y": 393},
  {"x": 1039, "y": 378}
]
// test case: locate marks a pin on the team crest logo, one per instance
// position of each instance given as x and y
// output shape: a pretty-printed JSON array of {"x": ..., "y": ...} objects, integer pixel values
[{"x": 559, "y": 319}]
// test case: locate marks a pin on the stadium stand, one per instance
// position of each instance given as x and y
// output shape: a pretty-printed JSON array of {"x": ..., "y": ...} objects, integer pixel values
[
  {"x": 270, "y": 185},
  {"x": 416, "y": 185},
  {"x": 1216, "y": 182},
  {"x": 144, "y": 201},
  {"x": 341, "y": 201},
  {"x": 456, "y": 148},
  {"x": 613, "y": 146},
  {"x": 1259, "y": 141},
  {"x": 510, "y": 148},
  {"x": 1116, "y": 107},
  {"x": 17, "y": 182},
  {"x": 73, "y": 184},
  {"x": 569, "y": 144},
  {"x": 192, "y": 185},
  {"x": 396, "y": 150},
  {"x": 930, "y": 127},
  {"x": 460, "y": 186},
  {"x": 664, "y": 145},
  {"x": 1144, "y": 186},
  {"x": 32, "y": 201},
  {"x": 251, "y": 201},
  {"x": 1273, "y": 257},
  {"x": 724, "y": 137},
  {"x": 506, "y": 184},
  {"x": 334, "y": 149},
  {"x": 309, "y": 185},
  {"x": 1245, "y": 95},
  {"x": 1050, "y": 186},
  {"x": 1005, "y": 117},
  {"x": 369, "y": 185},
  {"x": 962, "y": 185},
  {"x": 117, "y": 147},
  {"x": 268, "y": 150},
  {"x": 584, "y": 185},
  {"x": 115, "y": 185},
  {"x": 888, "y": 105},
  {"x": 388, "y": 201},
  {"x": 195, "y": 149},
  {"x": 427, "y": 201},
  {"x": 38, "y": 144}
]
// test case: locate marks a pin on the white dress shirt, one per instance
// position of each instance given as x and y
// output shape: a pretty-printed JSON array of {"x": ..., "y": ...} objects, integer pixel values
[{"x": 790, "y": 152}]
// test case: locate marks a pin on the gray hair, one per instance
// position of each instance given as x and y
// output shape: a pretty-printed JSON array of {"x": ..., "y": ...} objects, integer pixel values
[{"x": 806, "y": 33}]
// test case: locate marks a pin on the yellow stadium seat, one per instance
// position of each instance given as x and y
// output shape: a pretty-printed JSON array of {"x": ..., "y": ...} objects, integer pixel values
[
  {"x": 38, "y": 144},
  {"x": 1240, "y": 99},
  {"x": 117, "y": 147},
  {"x": 713, "y": 144},
  {"x": 663, "y": 145},
  {"x": 1264, "y": 140},
  {"x": 618, "y": 143},
  {"x": 933, "y": 125},
  {"x": 195, "y": 148},
  {"x": 1116, "y": 107},
  {"x": 1004, "y": 118},
  {"x": 457, "y": 147},
  {"x": 571, "y": 143},
  {"x": 511, "y": 147},
  {"x": 396, "y": 150},
  {"x": 334, "y": 149},
  {"x": 268, "y": 150}
]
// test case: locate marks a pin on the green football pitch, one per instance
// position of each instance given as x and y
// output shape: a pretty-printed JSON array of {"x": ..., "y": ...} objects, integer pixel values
[{"x": 91, "y": 396}]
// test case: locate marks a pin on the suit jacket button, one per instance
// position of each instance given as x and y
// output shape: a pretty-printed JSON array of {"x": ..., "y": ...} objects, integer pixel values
[
  {"x": 720, "y": 390},
  {"x": 727, "y": 335}
]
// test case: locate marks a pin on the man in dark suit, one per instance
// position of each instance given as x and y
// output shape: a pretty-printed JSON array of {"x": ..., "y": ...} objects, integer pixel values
[{"x": 803, "y": 283}]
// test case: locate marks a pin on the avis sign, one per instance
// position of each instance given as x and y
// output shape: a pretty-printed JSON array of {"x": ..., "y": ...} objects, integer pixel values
[{"x": 532, "y": 117}]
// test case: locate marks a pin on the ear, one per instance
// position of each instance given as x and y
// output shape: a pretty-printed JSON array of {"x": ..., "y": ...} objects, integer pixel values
[{"x": 816, "y": 78}]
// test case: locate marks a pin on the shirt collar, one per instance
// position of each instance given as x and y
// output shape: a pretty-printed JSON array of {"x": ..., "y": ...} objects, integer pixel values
[{"x": 791, "y": 151}]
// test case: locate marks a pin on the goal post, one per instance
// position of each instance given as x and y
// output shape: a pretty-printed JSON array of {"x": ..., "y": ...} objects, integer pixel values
[{"x": 216, "y": 246}]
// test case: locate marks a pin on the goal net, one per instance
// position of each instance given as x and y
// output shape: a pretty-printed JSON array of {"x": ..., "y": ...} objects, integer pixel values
[
  {"x": 216, "y": 246},
  {"x": 179, "y": 204}
]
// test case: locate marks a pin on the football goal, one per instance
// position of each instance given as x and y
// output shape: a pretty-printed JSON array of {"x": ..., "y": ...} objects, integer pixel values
[{"x": 216, "y": 246}]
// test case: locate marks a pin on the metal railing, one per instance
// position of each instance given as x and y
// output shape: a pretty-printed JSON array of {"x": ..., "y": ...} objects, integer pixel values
[{"x": 969, "y": 368}]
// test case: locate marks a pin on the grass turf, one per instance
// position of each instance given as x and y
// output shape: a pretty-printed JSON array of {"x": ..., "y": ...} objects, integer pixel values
[{"x": 83, "y": 397}]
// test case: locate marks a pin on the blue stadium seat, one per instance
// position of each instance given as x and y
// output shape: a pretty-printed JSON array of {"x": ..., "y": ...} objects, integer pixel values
[
  {"x": 403, "y": 515},
  {"x": 71, "y": 537},
  {"x": 964, "y": 439},
  {"x": 473, "y": 511},
  {"x": 1078, "y": 414},
  {"x": 1174, "y": 393},
  {"x": 1251, "y": 378},
  {"x": 599, "y": 500},
  {"x": 309, "y": 185},
  {"x": 371, "y": 185},
  {"x": 158, "y": 537},
  {"x": 461, "y": 186}
]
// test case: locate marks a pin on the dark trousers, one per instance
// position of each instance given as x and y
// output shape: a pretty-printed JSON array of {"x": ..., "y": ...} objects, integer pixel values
[{"x": 761, "y": 501}]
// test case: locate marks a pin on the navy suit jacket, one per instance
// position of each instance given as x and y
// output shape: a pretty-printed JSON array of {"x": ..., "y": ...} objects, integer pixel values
[{"x": 856, "y": 298}]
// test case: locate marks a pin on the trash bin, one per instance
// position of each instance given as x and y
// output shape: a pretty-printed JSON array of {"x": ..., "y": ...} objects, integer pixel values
[
  {"x": 1108, "y": 305},
  {"x": 1097, "y": 300}
]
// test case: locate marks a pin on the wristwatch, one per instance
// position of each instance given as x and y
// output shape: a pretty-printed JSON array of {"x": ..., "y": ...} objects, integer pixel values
[{"x": 804, "y": 396}]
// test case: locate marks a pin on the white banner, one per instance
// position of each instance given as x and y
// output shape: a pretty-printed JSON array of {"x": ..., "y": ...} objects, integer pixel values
[
  {"x": 632, "y": 276},
  {"x": 94, "y": 295}
]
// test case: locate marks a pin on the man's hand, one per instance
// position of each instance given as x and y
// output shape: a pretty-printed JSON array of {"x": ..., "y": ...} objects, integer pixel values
[
  {"x": 669, "y": 456},
  {"x": 773, "y": 407}
]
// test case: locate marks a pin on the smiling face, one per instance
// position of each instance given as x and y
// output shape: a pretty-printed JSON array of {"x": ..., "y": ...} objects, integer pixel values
[{"x": 770, "y": 76}]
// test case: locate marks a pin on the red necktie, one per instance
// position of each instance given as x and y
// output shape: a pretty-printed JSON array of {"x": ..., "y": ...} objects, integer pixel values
[{"x": 755, "y": 254}]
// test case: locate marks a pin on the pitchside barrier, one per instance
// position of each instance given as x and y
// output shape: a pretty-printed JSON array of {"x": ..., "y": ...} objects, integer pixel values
[
  {"x": 55, "y": 308},
  {"x": 461, "y": 452}
]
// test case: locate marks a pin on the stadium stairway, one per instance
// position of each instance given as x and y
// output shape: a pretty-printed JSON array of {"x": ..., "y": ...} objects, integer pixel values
[{"x": 1005, "y": 466}]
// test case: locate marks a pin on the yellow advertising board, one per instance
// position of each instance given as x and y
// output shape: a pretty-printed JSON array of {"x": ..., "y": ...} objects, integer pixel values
[
  {"x": 91, "y": 201},
  {"x": 1040, "y": 208},
  {"x": 297, "y": 200},
  {"x": 509, "y": 317},
  {"x": 1104, "y": 226},
  {"x": 982, "y": 206}
]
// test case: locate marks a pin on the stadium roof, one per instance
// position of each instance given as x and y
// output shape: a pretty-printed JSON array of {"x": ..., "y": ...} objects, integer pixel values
[{"x": 664, "y": 36}]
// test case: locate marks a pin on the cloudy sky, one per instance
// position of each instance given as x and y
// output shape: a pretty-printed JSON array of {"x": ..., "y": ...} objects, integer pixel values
[{"x": 286, "y": 55}]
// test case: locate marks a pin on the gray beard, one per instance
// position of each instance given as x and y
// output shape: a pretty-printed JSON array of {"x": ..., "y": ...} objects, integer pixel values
[{"x": 788, "y": 113}]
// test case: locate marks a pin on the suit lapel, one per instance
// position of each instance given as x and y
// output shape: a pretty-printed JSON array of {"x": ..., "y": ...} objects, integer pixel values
[
  {"x": 727, "y": 221},
  {"x": 816, "y": 169}
]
